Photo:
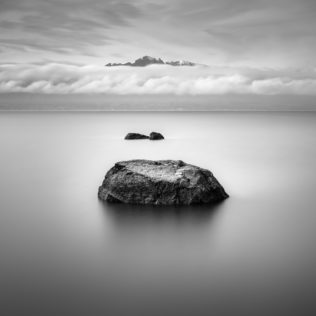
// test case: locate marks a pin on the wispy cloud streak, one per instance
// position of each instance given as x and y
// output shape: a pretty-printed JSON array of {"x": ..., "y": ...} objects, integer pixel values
[{"x": 256, "y": 33}]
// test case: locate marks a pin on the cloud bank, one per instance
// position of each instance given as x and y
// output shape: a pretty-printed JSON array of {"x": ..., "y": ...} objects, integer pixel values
[{"x": 57, "y": 78}]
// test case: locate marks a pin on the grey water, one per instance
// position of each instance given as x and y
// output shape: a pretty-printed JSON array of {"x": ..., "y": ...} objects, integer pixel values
[{"x": 63, "y": 252}]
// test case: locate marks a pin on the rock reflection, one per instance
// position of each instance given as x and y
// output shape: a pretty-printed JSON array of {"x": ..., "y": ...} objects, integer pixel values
[
  {"x": 124, "y": 215},
  {"x": 161, "y": 240}
]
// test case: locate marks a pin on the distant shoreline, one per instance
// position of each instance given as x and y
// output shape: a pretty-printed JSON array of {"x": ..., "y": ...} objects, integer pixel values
[
  {"x": 47, "y": 110},
  {"x": 156, "y": 103}
]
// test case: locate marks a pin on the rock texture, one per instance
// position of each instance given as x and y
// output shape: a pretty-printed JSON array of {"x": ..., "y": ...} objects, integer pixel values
[
  {"x": 155, "y": 136},
  {"x": 130, "y": 136},
  {"x": 164, "y": 182}
]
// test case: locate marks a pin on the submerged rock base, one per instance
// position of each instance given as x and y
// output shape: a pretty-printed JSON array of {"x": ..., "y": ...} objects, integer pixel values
[{"x": 163, "y": 182}]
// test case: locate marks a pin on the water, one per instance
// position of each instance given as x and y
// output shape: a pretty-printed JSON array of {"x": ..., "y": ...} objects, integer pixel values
[{"x": 64, "y": 252}]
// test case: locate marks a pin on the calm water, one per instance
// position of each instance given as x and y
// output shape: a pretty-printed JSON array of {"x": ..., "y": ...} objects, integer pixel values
[{"x": 63, "y": 252}]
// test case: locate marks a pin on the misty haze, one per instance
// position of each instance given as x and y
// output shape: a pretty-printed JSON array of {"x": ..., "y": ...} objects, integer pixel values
[{"x": 157, "y": 157}]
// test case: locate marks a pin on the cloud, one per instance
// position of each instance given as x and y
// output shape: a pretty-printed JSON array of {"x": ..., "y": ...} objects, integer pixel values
[
  {"x": 56, "y": 78},
  {"x": 31, "y": 29},
  {"x": 253, "y": 33}
]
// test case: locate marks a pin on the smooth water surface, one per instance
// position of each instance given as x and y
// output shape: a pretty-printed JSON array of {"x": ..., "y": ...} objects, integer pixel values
[{"x": 64, "y": 252}]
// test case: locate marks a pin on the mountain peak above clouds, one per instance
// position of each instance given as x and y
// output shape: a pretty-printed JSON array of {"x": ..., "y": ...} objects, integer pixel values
[{"x": 148, "y": 60}]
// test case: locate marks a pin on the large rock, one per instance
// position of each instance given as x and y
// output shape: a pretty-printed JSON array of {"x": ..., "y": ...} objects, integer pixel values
[
  {"x": 164, "y": 182},
  {"x": 130, "y": 136},
  {"x": 155, "y": 136}
]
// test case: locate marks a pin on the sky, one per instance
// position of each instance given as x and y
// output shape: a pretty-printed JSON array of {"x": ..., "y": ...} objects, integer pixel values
[{"x": 251, "y": 46}]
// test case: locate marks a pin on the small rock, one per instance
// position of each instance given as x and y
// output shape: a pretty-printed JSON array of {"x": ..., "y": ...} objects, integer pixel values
[
  {"x": 130, "y": 136},
  {"x": 155, "y": 136},
  {"x": 162, "y": 182}
]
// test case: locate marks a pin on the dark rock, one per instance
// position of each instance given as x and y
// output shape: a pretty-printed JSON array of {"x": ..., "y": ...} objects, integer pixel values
[
  {"x": 147, "y": 60},
  {"x": 155, "y": 136},
  {"x": 135, "y": 136},
  {"x": 180, "y": 63},
  {"x": 164, "y": 182}
]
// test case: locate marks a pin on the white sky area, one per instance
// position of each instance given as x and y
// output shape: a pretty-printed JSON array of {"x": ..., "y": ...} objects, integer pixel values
[{"x": 251, "y": 46}]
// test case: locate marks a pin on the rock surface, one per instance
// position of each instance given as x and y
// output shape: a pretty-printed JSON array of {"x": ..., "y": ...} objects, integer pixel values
[
  {"x": 163, "y": 182},
  {"x": 155, "y": 136},
  {"x": 135, "y": 136}
]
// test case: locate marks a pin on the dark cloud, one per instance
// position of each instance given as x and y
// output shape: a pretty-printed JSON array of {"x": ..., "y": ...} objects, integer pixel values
[{"x": 11, "y": 5}]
